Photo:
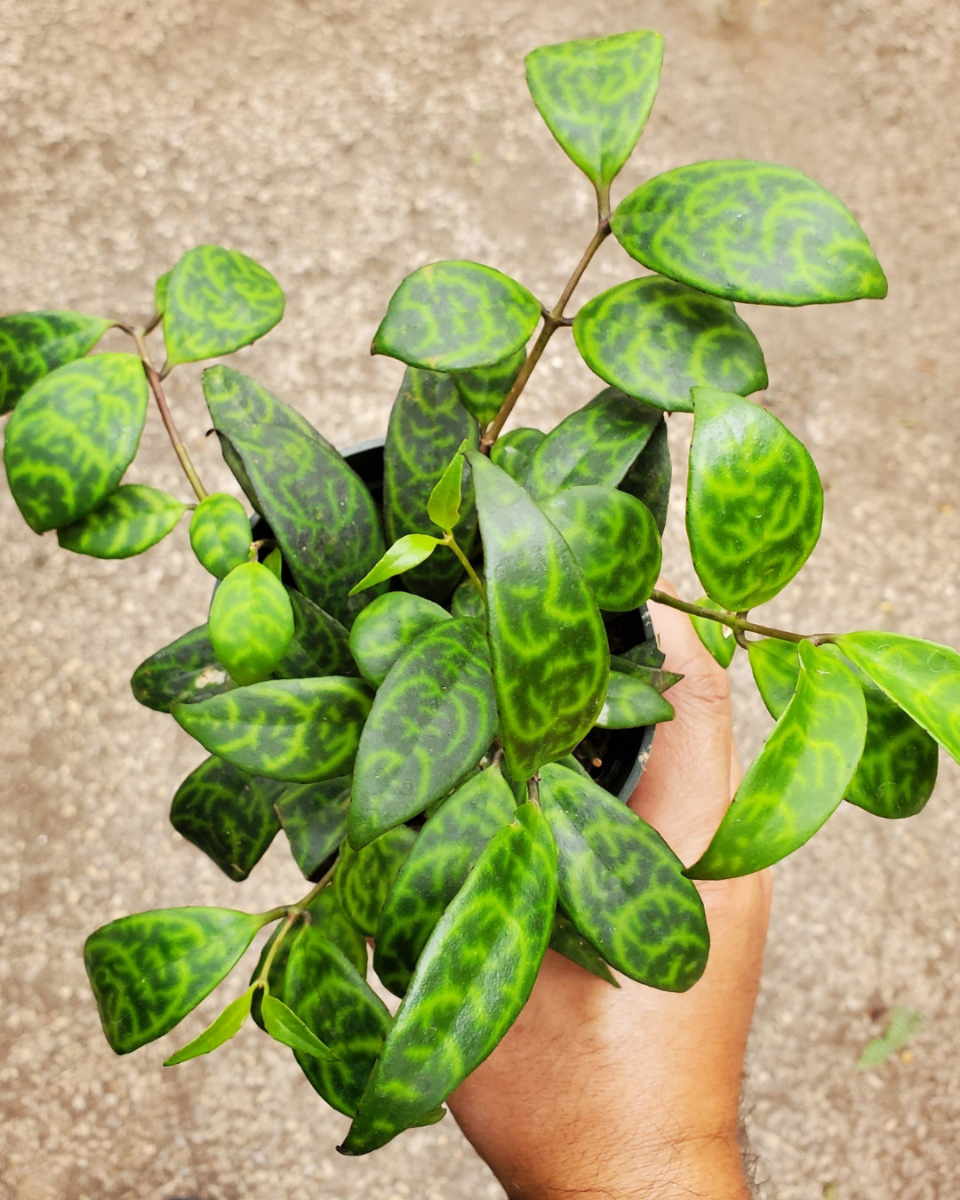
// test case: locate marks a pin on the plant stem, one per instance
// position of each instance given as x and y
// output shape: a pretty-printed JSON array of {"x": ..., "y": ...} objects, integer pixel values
[
  {"x": 451, "y": 541},
  {"x": 737, "y": 623},
  {"x": 293, "y": 911}
]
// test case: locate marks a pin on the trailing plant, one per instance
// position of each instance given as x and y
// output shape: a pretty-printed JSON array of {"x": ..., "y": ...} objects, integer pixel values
[{"x": 421, "y": 675}]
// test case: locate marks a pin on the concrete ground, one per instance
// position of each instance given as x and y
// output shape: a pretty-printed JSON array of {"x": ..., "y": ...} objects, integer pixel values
[{"x": 342, "y": 144}]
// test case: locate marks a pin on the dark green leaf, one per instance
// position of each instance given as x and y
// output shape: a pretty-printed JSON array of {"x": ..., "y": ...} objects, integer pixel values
[
  {"x": 285, "y": 1026},
  {"x": 650, "y": 476},
  {"x": 130, "y": 520},
  {"x": 228, "y": 814},
  {"x": 160, "y": 291},
  {"x": 484, "y": 389},
  {"x": 467, "y": 601},
  {"x": 35, "y": 343},
  {"x": 511, "y": 451},
  {"x": 433, "y": 717},
  {"x": 226, "y": 1026},
  {"x": 448, "y": 846},
  {"x": 754, "y": 501},
  {"x": 717, "y": 638},
  {"x": 615, "y": 540},
  {"x": 654, "y": 677},
  {"x": 443, "y": 507},
  {"x": 453, "y": 315},
  {"x": 631, "y": 703},
  {"x": 72, "y": 436},
  {"x": 216, "y": 301},
  {"x": 298, "y": 730},
  {"x": 330, "y": 919},
  {"x": 364, "y": 877},
  {"x": 320, "y": 512},
  {"x": 314, "y": 818},
  {"x": 567, "y": 941},
  {"x": 473, "y": 978},
  {"x": 800, "y": 775},
  {"x": 548, "y": 643},
  {"x": 149, "y": 970},
  {"x": 647, "y": 654},
  {"x": 251, "y": 622},
  {"x": 220, "y": 534},
  {"x": 749, "y": 231},
  {"x": 622, "y": 885},
  {"x": 408, "y": 551},
  {"x": 596, "y": 95},
  {"x": 655, "y": 339},
  {"x": 385, "y": 628},
  {"x": 182, "y": 673},
  {"x": 320, "y": 645}
]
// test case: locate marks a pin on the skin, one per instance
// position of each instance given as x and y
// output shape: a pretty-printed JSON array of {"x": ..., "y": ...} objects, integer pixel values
[{"x": 633, "y": 1093}]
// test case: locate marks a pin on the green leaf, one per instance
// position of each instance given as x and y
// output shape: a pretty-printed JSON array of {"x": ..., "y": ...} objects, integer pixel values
[
  {"x": 72, "y": 436},
  {"x": 902, "y": 1027},
  {"x": 646, "y": 654},
  {"x": 149, "y": 970},
  {"x": 322, "y": 515},
  {"x": 220, "y": 534},
  {"x": 320, "y": 645},
  {"x": 452, "y": 315},
  {"x": 511, "y": 451},
  {"x": 648, "y": 480},
  {"x": 251, "y": 622},
  {"x": 226, "y": 1026},
  {"x": 749, "y": 231},
  {"x": 484, "y": 389},
  {"x": 298, "y": 730},
  {"x": 631, "y": 703},
  {"x": 547, "y": 639},
  {"x": 717, "y": 638},
  {"x": 408, "y": 551},
  {"x": 285, "y": 1026},
  {"x": 160, "y": 291},
  {"x": 443, "y": 507},
  {"x": 473, "y": 978},
  {"x": 754, "y": 501},
  {"x": 35, "y": 343},
  {"x": 655, "y": 339},
  {"x": 386, "y": 628},
  {"x": 622, "y": 885},
  {"x": 314, "y": 818},
  {"x": 364, "y": 877},
  {"x": 330, "y": 919},
  {"x": 130, "y": 520},
  {"x": 653, "y": 677},
  {"x": 467, "y": 601},
  {"x": 216, "y": 301},
  {"x": 799, "y": 777},
  {"x": 428, "y": 425},
  {"x": 776, "y": 669},
  {"x": 574, "y": 946},
  {"x": 449, "y": 844},
  {"x": 227, "y": 814},
  {"x": 432, "y": 720},
  {"x": 274, "y": 562},
  {"x": 596, "y": 95},
  {"x": 597, "y": 444},
  {"x": 184, "y": 672},
  {"x": 614, "y": 539}
]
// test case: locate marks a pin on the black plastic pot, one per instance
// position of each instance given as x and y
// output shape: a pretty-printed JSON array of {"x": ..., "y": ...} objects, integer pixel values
[{"x": 622, "y": 753}]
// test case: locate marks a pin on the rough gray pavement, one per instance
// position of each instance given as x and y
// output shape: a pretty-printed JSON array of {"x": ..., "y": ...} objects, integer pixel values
[{"x": 343, "y": 144}]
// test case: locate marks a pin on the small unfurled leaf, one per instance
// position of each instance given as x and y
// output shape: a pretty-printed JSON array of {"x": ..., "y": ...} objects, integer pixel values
[
  {"x": 298, "y": 730},
  {"x": 566, "y": 940},
  {"x": 903, "y": 1026},
  {"x": 432, "y": 720},
  {"x": 284, "y": 1026},
  {"x": 651, "y": 474},
  {"x": 449, "y": 316},
  {"x": 596, "y": 95},
  {"x": 547, "y": 640},
  {"x": 717, "y": 638},
  {"x": 631, "y": 703},
  {"x": 160, "y": 291},
  {"x": 614, "y": 539},
  {"x": 220, "y": 534},
  {"x": 227, "y": 814},
  {"x": 320, "y": 645},
  {"x": 799, "y": 777},
  {"x": 473, "y": 978},
  {"x": 149, "y": 970},
  {"x": 443, "y": 507},
  {"x": 216, "y": 301},
  {"x": 484, "y": 389},
  {"x": 408, "y": 551},
  {"x": 226, "y": 1026},
  {"x": 467, "y": 601},
  {"x": 274, "y": 562},
  {"x": 448, "y": 845},
  {"x": 130, "y": 520},
  {"x": 33, "y": 344},
  {"x": 511, "y": 451},
  {"x": 182, "y": 673},
  {"x": 655, "y": 339},
  {"x": 364, "y": 877},
  {"x": 654, "y": 677},
  {"x": 386, "y": 628},
  {"x": 754, "y": 501},
  {"x": 749, "y": 231},
  {"x": 72, "y": 436},
  {"x": 251, "y": 622},
  {"x": 622, "y": 886},
  {"x": 314, "y": 818}
]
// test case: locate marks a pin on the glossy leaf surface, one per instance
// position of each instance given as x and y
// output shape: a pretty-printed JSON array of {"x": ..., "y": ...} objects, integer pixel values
[
  {"x": 483, "y": 389},
  {"x": 596, "y": 95},
  {"x": 449, "y": 316},
  {"x": 448, "y": 845},
  {"x": 330, "y": 919},
  {"x": 364, "y": 877},
  {"x": 614, "y": 539},
  {"x": 72, "y": 436},
  {"x": 443, "y": 507},
  {"x": 749, "y": 231},
  {"x": 717, "y": 638},
  {"x": 149, "y": 970},
  {"x": 33, "y": 344},
  {"x": 432, "y": 720},
  {"x": 656, "y": 339},
  {"x": 298, "y": 730},
  {"x": 651, "y": 474},
  {"x": 130, "y": 520},
  {"x": 472, "y": 980},
  {"x": 511, "y": 451},
  {"x": 754, "y": 501},
  {"x": 216, "y": 301},
  {"x": 320, "y": 645},
  {"x": 654, "y": 677},
  {"x": 406, "y": 552},
  {"x": 285, "y": 1026},
  {"x": 631, "y": 703},
  {"x": 622, "y": 886},
  {"x": 547, "y": 639},
  {"x": 565, "y": 939},
  {"x": 220, "y": 534},
  {"x": 799, "y": 777},
  {"x": 314, "y": 818},
  {"x": 226, "y": 1026},
  {"x": 182, "y": 673},
  {"x": 386, "y": 627},
  {"x": 251, "y": 622}
]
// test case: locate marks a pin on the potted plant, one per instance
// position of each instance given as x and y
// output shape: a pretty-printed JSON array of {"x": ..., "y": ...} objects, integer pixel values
[{"x": 430, "y": 667}]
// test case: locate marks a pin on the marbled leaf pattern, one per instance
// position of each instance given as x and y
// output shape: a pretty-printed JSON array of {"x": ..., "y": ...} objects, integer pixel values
[
  {"x": 631, "y": 703},
  {"x": 648, "y": 480},
  {"x": 184, "y": 672},
  {"x": 386, "y": 628},
  {"x": 33, "y": 344},
  {"x": 130, "y": 520},
  {"x": 483, "y": 389},
  {"x": 314, "y": 818},
  {"x": 251, "y": 622},
  {"x": 512, "y": 450},
  {"x": 364, "y": 877},
  {"x": 320, "y": 645},
  {"x": 566, "y": 940},
  {"x": 220, "y": 534}
]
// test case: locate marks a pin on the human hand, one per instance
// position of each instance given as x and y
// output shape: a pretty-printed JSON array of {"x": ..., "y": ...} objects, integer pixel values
[{"x": 631, "y": 1092}]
